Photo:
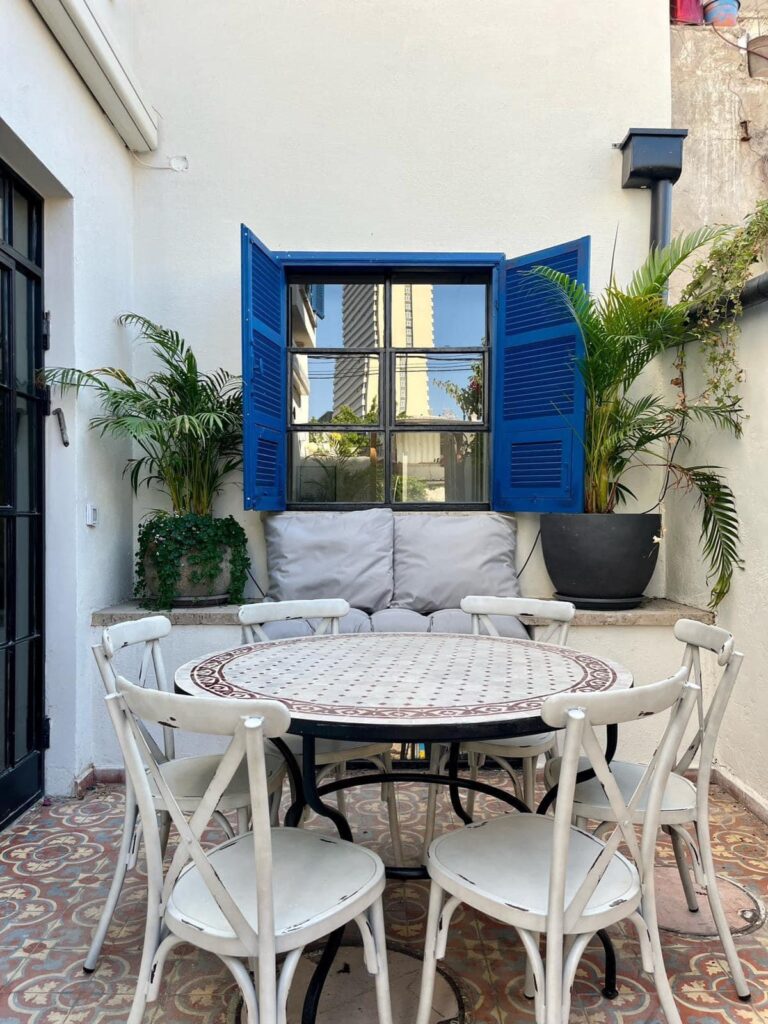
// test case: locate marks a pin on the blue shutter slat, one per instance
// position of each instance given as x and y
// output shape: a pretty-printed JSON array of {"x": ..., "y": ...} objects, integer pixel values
[
  {"x": 264, "y": 376},
  {"x": 538, "y": 394}
]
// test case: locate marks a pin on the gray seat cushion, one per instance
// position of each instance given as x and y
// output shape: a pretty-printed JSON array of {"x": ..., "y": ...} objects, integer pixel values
[
  {"x": 331, "y": 554},
  {"x": 442, "y": 557},
  {"x": 399, "y": 620},
  {"x": 454, "y": 620}
]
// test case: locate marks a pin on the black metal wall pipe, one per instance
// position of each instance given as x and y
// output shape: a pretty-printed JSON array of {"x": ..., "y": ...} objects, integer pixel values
[{"x": 661, "y": 213}]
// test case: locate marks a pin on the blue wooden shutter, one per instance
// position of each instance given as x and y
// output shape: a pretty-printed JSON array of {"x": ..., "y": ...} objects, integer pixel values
[
  {"x": 538, "y": 395},
  {"x": 264, "y": 376}
]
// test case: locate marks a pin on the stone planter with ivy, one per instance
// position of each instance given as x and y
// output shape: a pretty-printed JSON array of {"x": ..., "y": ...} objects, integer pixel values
[{"x": 190, "y": 560}]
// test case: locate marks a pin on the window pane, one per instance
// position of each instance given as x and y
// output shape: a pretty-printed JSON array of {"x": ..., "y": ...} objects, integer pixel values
[
  {"x": 441, "y": 467},
  {"x": 25, "y": 552},
  {"x": 6, "y": 447},
  {"x": 5, "y": 322},
  {"x": 438, "y": 386},
  {"x": 335, "y": 389},
  {"x": 346, "y": 467},
  {"x": 337, "y": 315},
  {"x": 23, "y": 330},
  {"x": 20, "y": 223},
  {"x": 25, "y": 456},
  {"x": 439, "y": 315}
]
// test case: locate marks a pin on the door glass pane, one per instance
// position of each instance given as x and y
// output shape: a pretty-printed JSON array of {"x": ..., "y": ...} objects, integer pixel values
[
  {"x": 345, "y": 467},
  {"x": 337, "y": 315},
  {"x": 25, "y": 456},
  {"x": 439, "y": 315},
  {"x": 3, "y": 588},
  {"x": 23, "y": 687},
  {"x": 442, "y": 467},
  {"x": 438, "y": 386},
  {"x": 3, "y": 705},
  {"x": 20, "y": 223},
  {"x": 25, "y": 552},
  {"x": 335, "y": 389},
  {"x": 23, "y": 330},
  {"x": 5, "y": 322}
]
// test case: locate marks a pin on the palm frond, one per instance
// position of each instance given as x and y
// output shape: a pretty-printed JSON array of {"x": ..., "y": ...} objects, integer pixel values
[{"x": 653, "y": 276}]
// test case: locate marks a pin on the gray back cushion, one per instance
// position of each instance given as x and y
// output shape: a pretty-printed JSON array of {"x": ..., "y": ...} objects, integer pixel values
[
  {"x": 440, "y": 558},
  {"x": 331, "y": 554}
]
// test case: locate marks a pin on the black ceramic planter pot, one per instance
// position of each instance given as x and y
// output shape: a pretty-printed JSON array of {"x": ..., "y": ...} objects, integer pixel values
[{"x": 601, "y": 560}]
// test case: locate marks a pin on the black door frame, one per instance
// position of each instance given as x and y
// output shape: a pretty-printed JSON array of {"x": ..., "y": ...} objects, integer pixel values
[{"x": 23, "y": 736}]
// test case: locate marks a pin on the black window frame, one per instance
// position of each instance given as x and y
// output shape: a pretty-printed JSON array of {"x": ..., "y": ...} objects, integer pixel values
[{"x": 387, "y": 354}]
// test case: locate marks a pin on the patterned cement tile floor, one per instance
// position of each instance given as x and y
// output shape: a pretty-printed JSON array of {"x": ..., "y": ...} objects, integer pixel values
[{"x": 55, "y": 867}]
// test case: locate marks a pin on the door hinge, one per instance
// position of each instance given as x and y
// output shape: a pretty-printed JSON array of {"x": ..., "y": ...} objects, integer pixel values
[
  {"x": 46, "y": 737},
  {"x": 46, "y": 329},
  {"x": 47, "y": 400}
]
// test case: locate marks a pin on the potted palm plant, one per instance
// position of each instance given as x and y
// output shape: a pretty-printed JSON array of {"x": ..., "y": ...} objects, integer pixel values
[
  {"x": 600, "y": 559},
  {"x": 186, "y": 427}
]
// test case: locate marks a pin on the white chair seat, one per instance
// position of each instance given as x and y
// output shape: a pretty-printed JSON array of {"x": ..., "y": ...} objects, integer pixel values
[
  {"x": 502, "y": 866},
  {"x": 505, "y": 746},
  {"x": 678, "y": 803},
  {"x": 190, "y": 777},
  {"x": 336, "y": 751},
  {"x": 319, "y": 884}
]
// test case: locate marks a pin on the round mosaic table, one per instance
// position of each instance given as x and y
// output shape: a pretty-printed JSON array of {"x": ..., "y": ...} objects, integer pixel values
[{"x": 404, "y": 686}]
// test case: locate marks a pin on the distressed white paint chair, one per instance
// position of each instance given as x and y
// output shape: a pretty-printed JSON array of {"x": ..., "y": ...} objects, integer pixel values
[
  {"x": 265, "y": 893},
  {"x": 683, "y": 802},
  {"x": 538, "y": 873},
  {"x": 331, "y": 756},
  {"x": 188, "y": 777},
  {"x": 558, "y": 616}
]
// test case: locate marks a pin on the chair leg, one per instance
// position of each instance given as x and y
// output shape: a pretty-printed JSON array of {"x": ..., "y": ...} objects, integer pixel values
[
  {"x": 685, "y": 875},
  {"x": 148, "y": 952},
  {"x": 529, "y": 988},
  {"x": 429, "y": 823},
  {"x": 474, "y": 771},
  {"x": 341, "y": 798},
  {"x": 239, "y": 972},
  {"x": 383, "y": 999},
  {"x": 287, "y": 972},
  {"x": 129, "y": 837},
  {"x": 660, "y": 976},
  {"x": 242, "y": 820},
  {"x": 713, "y": 895},
  {"x": 394, "y": 820},
  {"x": 529, "y": 782},
  {"x": 429, "y": 968}
]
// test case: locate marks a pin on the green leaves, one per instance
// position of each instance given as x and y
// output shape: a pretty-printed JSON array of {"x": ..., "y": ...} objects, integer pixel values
[
  {"x": 186, "y": 424},
  {"x": 624, "y": 330}
]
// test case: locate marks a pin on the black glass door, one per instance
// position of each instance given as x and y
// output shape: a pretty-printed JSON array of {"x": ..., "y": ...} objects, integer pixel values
[{"x": 22, "y": 408}]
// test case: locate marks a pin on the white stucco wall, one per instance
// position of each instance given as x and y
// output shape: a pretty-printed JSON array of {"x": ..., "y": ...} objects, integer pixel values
[
  {"x": 322, "y": 124},
  {"x": 348, "y": 124},
  {"x": 53, "y": 133}
]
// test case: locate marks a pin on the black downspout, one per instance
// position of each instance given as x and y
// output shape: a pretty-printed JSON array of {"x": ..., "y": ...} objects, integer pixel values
[{"x": 652, "y": 158}]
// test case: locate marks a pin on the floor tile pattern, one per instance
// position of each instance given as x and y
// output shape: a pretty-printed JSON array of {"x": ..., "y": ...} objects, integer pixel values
[{"x": 55, "y": 867}]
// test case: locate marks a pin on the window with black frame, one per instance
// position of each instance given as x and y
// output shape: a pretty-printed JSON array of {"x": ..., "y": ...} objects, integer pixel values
[{"x": 388, "y": 395}]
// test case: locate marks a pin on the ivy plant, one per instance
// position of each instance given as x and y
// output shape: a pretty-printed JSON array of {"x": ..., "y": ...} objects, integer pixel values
[{"x": 164, "y": 540}]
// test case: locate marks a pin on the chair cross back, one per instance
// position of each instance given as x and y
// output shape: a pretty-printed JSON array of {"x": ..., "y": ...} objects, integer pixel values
[
  {"x": 697, "y": 636},
  {"x": 322, "y": 616},
  {"x": 148, "y": 631},
  {"x": 558, "y": 613},
  {"x": 580, "y": 714},
  {"x": 247, "y": 723}
]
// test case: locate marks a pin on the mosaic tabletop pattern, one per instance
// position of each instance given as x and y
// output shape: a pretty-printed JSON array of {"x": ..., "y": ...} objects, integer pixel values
[
  {"x": 55, "y": 866},
  {"x": 411, "y": 678}
]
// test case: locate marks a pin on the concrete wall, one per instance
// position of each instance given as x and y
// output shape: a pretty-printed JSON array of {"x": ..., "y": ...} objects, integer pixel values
[
  {"x": 54, "y": 134},
  {"x": 725, "y": 174}
]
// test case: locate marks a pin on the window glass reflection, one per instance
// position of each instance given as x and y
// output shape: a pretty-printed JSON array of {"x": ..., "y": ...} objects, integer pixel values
[
  {"x": 337, "y": 467},
  {"x": 343, "y": 316},
  {"x": 429, "y": 466},
  {"x": 438, "y": 386},
  {"x": 335, "y": 389}
]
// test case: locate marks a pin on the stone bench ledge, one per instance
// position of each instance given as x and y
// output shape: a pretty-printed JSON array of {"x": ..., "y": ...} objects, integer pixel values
[{"x": 655, "y": 611}]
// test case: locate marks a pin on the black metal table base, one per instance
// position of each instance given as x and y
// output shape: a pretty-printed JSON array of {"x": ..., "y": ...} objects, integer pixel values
[{"x": 307, "y": 793}]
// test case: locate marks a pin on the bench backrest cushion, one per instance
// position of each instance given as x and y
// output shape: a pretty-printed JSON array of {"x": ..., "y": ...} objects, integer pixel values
[
  {"x": 442, "y": 557},
  {"x": 331, "y": 554}
]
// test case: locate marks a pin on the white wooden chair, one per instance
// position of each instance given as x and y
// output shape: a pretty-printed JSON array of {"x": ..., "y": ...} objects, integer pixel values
[
  {"x": 684, "y": 803},
  {"x": 258, "y": 895},
  {"x": 331, "y": 756},
  {"x": 188, "y": 777},
  {"x": 558, "y": 616},
  {"x": 538, "y": 873}
]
